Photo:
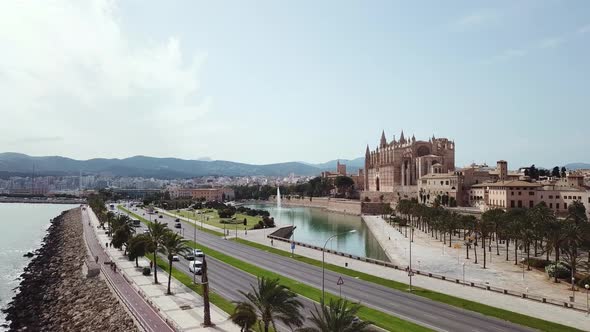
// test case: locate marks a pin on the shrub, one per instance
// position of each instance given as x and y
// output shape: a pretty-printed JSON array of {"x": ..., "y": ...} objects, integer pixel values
[
  {"x": 146, "y": 271},
  {"x": 258, "y": 226},
  {"x": 538, "y": 263},
  {"x": 561, "y": 270}
]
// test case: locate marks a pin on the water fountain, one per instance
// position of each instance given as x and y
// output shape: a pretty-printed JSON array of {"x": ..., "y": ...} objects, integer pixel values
[{"x": 278, "y": 198}]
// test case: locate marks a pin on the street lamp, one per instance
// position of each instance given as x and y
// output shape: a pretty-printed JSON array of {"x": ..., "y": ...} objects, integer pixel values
[
  {"x": 587, "y": 307},
  {"x": 463, "y": 273},
  {"x": 573, "y": 290},
  {"x": 410, "y": 273},
  {"x": 324, "y": 261},
  {"x": 522, "y": 261}
]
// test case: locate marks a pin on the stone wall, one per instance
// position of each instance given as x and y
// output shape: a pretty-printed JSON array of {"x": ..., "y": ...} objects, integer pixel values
[
  {"x": 331, "y": 204},
  {"x": 54, "y": 293}
]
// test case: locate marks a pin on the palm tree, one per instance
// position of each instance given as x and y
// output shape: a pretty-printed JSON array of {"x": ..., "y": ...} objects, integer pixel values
[
  {"x": 556, "y": 235},
  {"x": 339, "y": 316},
  {"x": 173, "y": 244},
  {"x": 156, "y": 232},
  {"x": 273, "y": 302},
  {"x": 244, "y": 316}
]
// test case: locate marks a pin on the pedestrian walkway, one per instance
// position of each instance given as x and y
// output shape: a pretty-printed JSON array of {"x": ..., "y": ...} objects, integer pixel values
[
  {"x": 146, "y": 316},
  {"x": 183, "y": 309},
  {"x": 535, "y": 309}
]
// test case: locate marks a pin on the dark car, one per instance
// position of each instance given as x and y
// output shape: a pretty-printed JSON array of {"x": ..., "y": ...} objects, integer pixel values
[
  {"x": 177, "y": 226},
  {"x": 160, "y": 216},
  {"x": 177, "y": 220}
]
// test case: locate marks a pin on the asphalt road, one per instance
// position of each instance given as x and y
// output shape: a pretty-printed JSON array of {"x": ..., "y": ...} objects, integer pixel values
[{"x": 434, "y": 315}]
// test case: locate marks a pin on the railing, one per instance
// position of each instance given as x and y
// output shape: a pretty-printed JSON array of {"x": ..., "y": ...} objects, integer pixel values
[{"x": 483, "y": 286}]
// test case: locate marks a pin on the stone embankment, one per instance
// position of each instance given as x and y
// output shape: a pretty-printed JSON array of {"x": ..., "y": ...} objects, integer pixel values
[
  {"x": 54, "y": 294},
  {"x": 339, "y": 205}
]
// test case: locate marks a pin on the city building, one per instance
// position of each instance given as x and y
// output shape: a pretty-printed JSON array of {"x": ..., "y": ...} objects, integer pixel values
[{"x": 208, "y": 194}]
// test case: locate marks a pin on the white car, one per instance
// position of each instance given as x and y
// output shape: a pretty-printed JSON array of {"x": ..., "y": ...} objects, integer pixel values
[
  {"x": 175, "y": 258},
  {"x": 195, "y": 267},
  {"x": 198, "y": 253}
]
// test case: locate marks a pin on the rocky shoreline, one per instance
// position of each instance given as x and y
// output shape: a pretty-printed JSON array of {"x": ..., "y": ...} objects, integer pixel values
[{"x": 54, "y": 294}]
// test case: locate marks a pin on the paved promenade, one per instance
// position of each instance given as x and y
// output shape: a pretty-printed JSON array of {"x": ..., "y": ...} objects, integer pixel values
[
  {"x": 143, "y": 313},
  {"x": 183, "y": 309}
]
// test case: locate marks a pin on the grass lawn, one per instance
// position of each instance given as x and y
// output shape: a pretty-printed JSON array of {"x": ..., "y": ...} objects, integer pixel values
[
  {"x": 513, "y": 317},
  {"x": 211, "y": 217}
]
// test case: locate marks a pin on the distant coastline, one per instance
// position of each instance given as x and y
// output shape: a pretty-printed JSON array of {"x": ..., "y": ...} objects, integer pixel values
[{"x": 41, "y": 200}]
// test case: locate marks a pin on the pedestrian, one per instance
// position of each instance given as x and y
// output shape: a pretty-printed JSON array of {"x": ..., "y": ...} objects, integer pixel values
[
  {"x": 151, "y": 265},
  {"x": 97, "y": 259},
  {"x": 106, "y": 244},
  {"x": 271, "y": 242}
]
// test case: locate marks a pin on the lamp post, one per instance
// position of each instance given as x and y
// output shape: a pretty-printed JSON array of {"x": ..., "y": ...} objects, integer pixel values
[
  {"x": 410, "y": 273},
  {"x": 587, "y": 307},
  {"x": 573, "y": 290},
  {"x": 522, "y": 261},
  {"x": 463, "y": 273},
  {"x": 324, "y": 261}
]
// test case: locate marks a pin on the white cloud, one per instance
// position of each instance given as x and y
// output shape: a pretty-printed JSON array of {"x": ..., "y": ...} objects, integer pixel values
[
  {"x": 477, "y": 18},
  {"x": 506, "y": 55},
  {"x": 551, "y": 42},
  {"x": 67, "y": 69}
]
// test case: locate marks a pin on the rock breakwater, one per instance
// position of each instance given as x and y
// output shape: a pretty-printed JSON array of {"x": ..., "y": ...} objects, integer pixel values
[{"x": 54, "y": 295}]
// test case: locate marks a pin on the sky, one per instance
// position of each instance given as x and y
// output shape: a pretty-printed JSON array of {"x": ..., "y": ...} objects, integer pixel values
[{"x": 274, "y": 81}]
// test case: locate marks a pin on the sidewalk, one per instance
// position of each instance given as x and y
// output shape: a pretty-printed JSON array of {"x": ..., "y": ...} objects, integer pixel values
[
  {"x": 184, "y": 308},
  {"x": 535, "y": 309}
]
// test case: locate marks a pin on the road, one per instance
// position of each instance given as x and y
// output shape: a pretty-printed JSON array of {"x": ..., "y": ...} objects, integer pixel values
[
  {"x": 435, "y": 315},
  {"x": 144, "y": 313}
]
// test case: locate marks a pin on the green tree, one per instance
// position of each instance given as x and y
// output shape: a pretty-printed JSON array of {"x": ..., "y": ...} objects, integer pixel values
[
  {"x": 244, "y": 316},
  {"x": 156, "y": 231},
  {"x": 563, "y": 172},
  {"x": 576, "y": 230},
  {"x": 139, "y": 246},
  {"x": 555, "y": 172},
  {"x": 273, "y": 302},
  {"x": 338, "y": 316},
  {"x": 173, "y": 244}
]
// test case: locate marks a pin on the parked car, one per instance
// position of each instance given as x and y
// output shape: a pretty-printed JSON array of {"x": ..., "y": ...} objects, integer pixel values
[
  {"x": 195, "y": 267},
  {"x": 177, "y": 226}
]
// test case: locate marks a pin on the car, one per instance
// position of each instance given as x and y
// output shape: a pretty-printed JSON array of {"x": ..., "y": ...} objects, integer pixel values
[
  {"x": 195, "y": 267},
  {"x": 356, "y": 320},
  {"x": 175, "y": 258},
  {"x": 177, "y": 226},
  {"x": 198, "y": 253},
  {"x": 189, "y": 256},
  {"x": 146, "y": 231},
  {"x": 160, "y": 216},
  {"x": 177, "y": 220}
]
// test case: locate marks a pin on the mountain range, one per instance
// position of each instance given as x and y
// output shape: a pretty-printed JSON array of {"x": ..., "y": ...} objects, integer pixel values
[
  {"x": 13, "y": 164},
  {"x": 165, "y": 168}
]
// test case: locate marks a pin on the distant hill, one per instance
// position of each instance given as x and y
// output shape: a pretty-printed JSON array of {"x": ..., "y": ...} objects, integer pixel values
[
  {"x": 164, "y": 168},
  {"x": 574, "y": 166},
  {"x": 352, "y": 165}
]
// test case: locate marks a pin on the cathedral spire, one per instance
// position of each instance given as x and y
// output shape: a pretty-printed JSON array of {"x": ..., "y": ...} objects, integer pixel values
[
  {"x": 433, "y": 137},
  {"x": 367, "y": 152},
  {"x": 413, "y": 138},
  {"x": 383, "y": 139},
  {"x": 401, "y": 138}
]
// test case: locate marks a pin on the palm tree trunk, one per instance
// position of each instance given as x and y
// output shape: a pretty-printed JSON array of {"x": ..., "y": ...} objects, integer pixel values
[
  {"x": 467, "y": 250},
  {"x": 515, "y": 251},
  {"x": 475, "y": 251},
  {"x": 507, "y": 245},
  {"x": 497, "y": 246},
  {"x": 136, "y": 262},
  {"x": 483, "y": 241},
  {"x": 169, "y": 275},
  {"x": 155, "y": 268},
  {"x": 528, "y": 258}
]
